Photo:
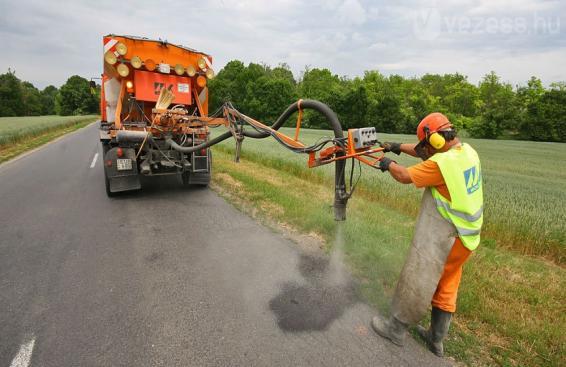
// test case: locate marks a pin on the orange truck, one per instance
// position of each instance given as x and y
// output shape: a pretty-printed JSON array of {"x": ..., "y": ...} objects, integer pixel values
[
  {"x": 155, "y": 121},
  {"x": 135, "y": 127}
]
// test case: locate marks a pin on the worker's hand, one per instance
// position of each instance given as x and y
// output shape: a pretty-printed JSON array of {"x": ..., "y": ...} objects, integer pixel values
[
  {"x": 384, "y": 164},
  {"x": 391, "y": 147}
]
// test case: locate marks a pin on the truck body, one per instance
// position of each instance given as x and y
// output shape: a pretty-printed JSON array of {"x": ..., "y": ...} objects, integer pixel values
[
  {"x": 155, "y": 121},
  {"x": 133, "y": 132}
]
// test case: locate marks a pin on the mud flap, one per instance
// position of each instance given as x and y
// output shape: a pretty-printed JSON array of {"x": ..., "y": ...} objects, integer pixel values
[
  {"x": 124, "y": 183},
  {"x": 201, "y": 170},
  {"x": 432, "y": 242},
  {"x": 121, "y": 180},
  {"x": 201, "y": 179}
]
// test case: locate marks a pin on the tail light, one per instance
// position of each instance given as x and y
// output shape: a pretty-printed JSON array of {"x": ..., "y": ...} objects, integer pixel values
[
  {"x": 201, "y": 81},
  {"x": 150, "y": 64},
  {"x": 130, "y": 86}
]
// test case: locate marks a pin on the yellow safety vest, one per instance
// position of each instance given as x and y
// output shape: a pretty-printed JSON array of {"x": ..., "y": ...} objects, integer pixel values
[{"x": 461, "y": 170}]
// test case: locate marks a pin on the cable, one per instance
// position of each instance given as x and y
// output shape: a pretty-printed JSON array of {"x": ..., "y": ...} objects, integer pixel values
[
  {"x": 217, "y": 112},
  {"x": 166, "y": 157},
  {"x": 318, "y": 145},
  {"x": 353, "y": 185},
  {"x": 236, "y": 121}
]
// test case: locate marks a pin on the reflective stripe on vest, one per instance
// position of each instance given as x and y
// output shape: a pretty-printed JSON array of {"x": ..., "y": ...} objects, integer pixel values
[
  {"x": 461, "y": 170},
  {"x": 469, "y": 217},
  {"x": 468, "y": 232}
]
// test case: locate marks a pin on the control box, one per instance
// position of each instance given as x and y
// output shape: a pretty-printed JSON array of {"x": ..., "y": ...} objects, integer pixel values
[{"x": 362, "y": 138}]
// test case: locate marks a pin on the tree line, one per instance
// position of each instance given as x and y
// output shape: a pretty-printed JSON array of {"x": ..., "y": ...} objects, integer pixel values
[
  {"x": 395, "y": 104},
  {"x": 22, "y": 98}
]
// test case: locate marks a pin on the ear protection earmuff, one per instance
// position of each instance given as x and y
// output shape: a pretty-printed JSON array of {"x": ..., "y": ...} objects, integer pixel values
[{"x": 435, "y": 140}]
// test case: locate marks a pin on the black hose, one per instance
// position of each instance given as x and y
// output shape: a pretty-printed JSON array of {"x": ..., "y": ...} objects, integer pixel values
[
  {"x": 340, "y": 195},
  {"x": 205, "y": 145}
]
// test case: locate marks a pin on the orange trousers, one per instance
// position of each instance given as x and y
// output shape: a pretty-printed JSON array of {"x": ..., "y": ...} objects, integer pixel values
[{"x": 447, "y": 290}]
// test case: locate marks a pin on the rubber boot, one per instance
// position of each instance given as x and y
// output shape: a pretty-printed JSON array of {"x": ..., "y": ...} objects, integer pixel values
[
  {"x": 392, "y": 329},
  {"x": 439, "y": 325}
]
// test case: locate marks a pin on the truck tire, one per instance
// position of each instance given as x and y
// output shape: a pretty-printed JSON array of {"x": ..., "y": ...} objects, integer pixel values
[
  {"x": 107, "y": 185},
  {"x": 105, "y": 148}
]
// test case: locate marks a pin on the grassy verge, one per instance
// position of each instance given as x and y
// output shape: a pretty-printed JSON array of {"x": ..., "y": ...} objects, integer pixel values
[
  {"x": 511, "y": 309},
  {"x": 15, "y": 142},
  {"x": 523, "y": 189}
]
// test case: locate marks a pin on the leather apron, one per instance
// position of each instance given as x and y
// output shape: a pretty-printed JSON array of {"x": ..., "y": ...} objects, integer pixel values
[{"x": 433, "y": 239}]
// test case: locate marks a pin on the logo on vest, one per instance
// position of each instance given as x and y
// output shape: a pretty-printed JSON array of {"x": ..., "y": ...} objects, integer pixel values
[{"x": 472, "y": 176}]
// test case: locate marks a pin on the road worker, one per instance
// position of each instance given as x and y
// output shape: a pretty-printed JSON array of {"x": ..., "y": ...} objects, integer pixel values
[{"x": 446, "y": 232}]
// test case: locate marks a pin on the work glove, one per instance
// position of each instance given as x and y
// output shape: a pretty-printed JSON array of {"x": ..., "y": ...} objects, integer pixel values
[
  {"x": 384, "y": 164},
  {"x": 391, "y": 147}
]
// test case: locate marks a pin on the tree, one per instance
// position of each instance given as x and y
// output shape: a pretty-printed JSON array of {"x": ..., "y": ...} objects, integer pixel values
[
  {"x": 322, "y": 85},
  {"x": 75, "y": 97},
  {"x": 497, "y": 109},
  {"x": 268, "y": 97},
  {"x": 528, "y": 98},
  {"x": 558, "y": 86},
  {"x": 228, "y": 85},
  {"x": 454, "y": 96},
  {"x": 350, "y": 101},
  {"x": 11, "y": 95},
  {"x": 462, "y": 98},
  {"x": 532, "y": 92},
  {"x": 395, "y": 103},
  {"x": 283, "y": 71},
  {"x": 547, "y": 117},
  {"x": 31, "y": 99},
  {"x": 47, "y": 100},
  {"x": 231, "y": 84}
]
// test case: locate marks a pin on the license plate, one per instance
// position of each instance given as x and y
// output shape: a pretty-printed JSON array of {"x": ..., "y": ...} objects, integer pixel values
[{"x": 124, "y": 164}]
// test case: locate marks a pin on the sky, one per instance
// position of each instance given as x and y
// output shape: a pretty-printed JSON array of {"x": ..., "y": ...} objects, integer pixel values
[{"x": 47, "y": 41}]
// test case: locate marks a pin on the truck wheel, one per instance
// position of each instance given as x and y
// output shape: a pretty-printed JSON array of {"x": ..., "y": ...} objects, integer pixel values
[
  {"x": 107, "y": 185},
  {"x": 105, "y": 148}
]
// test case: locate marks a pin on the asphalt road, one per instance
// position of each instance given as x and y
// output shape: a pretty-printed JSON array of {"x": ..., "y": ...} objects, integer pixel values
[{"x": 167, "y": 276}]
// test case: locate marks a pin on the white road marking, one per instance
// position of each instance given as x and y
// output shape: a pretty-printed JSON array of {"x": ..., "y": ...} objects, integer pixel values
[
  {"x": 23, "y": 357},
  {"x": 94, "y": 160}
]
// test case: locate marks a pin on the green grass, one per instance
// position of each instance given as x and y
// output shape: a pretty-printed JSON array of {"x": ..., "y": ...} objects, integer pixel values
[
  {"x": 510, "y": 308},
  {"x": 16, "y": 129},
  {"x": 19, "y": 134},
  {"x": 525, "y": 188}
]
